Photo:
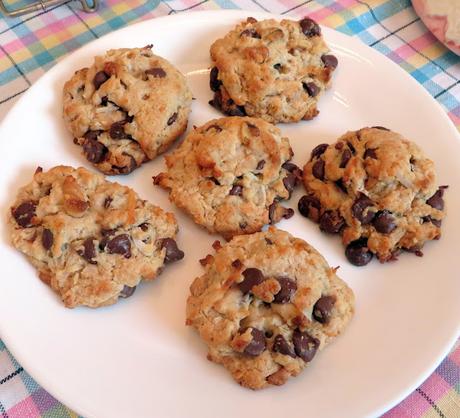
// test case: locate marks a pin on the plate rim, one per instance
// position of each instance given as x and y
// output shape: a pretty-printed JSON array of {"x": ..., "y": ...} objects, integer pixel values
[{"x": 8, "y": 338}]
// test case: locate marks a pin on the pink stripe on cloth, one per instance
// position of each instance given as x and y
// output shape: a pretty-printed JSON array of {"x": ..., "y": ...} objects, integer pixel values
[
  {"x": 413, "y": 406},
  {"x": 24, "y": 409}
]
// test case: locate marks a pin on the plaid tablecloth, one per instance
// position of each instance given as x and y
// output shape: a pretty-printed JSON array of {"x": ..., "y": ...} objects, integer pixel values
[{"x": 32, "y": 44}]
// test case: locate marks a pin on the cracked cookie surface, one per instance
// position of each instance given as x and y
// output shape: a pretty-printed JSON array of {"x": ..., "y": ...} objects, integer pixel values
[
  {"x": 378, "y": 190},
  {"x": 230, "y": 174},
  {"x": 275, "y": 70},
  {"x": 91, "y": 240},
  {"x": 265, "y": 305},
  {"x": 125, "y": 109}
]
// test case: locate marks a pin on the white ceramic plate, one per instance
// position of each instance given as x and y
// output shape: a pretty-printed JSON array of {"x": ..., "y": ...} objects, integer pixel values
[{"x": 136, "y": 358}]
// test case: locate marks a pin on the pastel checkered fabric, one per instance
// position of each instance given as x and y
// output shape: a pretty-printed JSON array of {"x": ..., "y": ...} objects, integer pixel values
[{"x": 32, "y": 44}]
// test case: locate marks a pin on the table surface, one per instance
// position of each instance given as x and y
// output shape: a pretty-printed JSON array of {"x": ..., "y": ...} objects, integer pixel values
[{"x": 31, "y": 44}]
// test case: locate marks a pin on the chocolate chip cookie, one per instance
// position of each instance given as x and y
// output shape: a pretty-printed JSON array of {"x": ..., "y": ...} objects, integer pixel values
[
  {"x": 92, "y": 241},
  {"x": 273, "y": 70},
  {"x": 230, "y": 174},
  {"x": 266, "y": 304},
  {"x": 378, "y": 190},
  {"x": 125, "y": 109}
]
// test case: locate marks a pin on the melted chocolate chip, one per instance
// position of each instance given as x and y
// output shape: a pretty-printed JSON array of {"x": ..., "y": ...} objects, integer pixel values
[
  {"x": 237, "y": 264},
  {"x": 172, "y": 119},
  {"x": 236, "y": 190},
  {"x": 89, "y": 251},
  {"x": 352, "y": 148},
  {"x": 288, "y": 288},
  {"x": 24, "y": 213},
  {"x": 94, "y": 151},
  {"x": 305, "y": 345},
  {"x": 310, "y": 206},
  {"x": 331, "y": 222},
  {"x": 100, "y": 78},
  {"x": 346, "y": 155},
  {"x": 127, "y": 291},
  {"x": 436, "y": 222},
  {"x": 251, "y": 33},
  {"x": 280, "y": 345},
  {"x": 252, "y": 277},
  {"x": 121, "y": 244},
  {"x": 357, "y": 252},
  {"x": 322, "y": 310},
  {"x": 318, "y": 150},
  {"x": 260, "y": 165},
  {"x": 156, "y": 72},
  {"x": 309, "y": 27},
  {"x": 47, "y": 239},
  {"x": 257, "y": 344},
  {"x": 330, "y": 61},
  {"x": 384, "y": 222},
  {"x": 91, "y": 135},
  {"x": 370, "y": 153},
  {"x": 341, "y": 185},
  {"x": 173, "y": 253},
  {"x": 311, "y": 88},
  {"x": 290, "y": 181},
  {"x": 117, "y": 131},
  {"x": 318, "y": 169},
  {"x": 214, "y": 82},
  {"x": 358, "y": 209}
]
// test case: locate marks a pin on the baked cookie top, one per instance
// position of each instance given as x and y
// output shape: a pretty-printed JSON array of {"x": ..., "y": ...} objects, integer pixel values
[
  {"x": 273, "y": 70},
  {"x": 265, "y": 305},
  {"x": 128, "y": 107},
  {"x": 378, "y": 190},
  {"x": 230, "y": 174},
  {"x": 91, "y": 240}
]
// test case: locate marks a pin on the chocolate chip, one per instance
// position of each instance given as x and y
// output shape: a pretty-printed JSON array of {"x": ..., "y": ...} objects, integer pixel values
[
  {"x": 104, "y": 101},
  {"x": 236, "y": 190},
  {"x": 94, "y": 151},
  {"x": 121, "y": 244},
  {"x": 277, "y": 67},
  {"x": 310, "y": 206},
  {"x": 370, "y": 153},
  {"x": 341, "y": 185},
  {"x": 288, "y": 288},
  {"x": 318, "y": 169},
  {"x": 214, "y": 180},
  {"x": 236, "y": 111},
  {"x": 216, "y": 127},
  {"x": 436, "y": 222},
  {"x": 117, "y": 130},
  {"x": 173, "y": 253},
  {"x": 237, "y": 264},
  {"x": 338, "y": 145},
  {"x": 331, "y": 222},
  {"x": 305, "y": 345},
  {"x": 156, "y": 72},
  {"x": 144, "y": 227},
  {"x": 309, "y": 27},
  {"x": 436, "y": 201},
  {"x": 357, "y": 252},
  {"x": 243, "y": 225},
  {"x": 352, "y": 148},
  {"x": 381, "y": 128},
  {"x": 89, "y": 251},
  {"x": 358, "y": 209},
  {"x": 323, "y": 309},
  {"x": 280, "y": 345},
  {"x": 288, "y": 213},
  {"x": 330, "y": 61},
  {"x": 172, "y": 119},
  {"x": 91, "y": 135},
  {"x": 318, "y": 150},
  {"x": 47, "y": 239},
  {"x": 346, "y": 155},
  {"x": 260, "y": 165},
  {"x": 251, "y": 33},
  {"x": 268, "y": 334},
  {"x": 216, "y": 102},
  {"x": 252, "y": 277},
  {"x": 268, "y": 241},
  {"x": 24, "y": 213},
  {"x": 108, "y": 200},
  {"x": 253, "y": 129},
  {"x": 257, "y": 344},
  {"x": 214, "y": 82},
  {"x": 311, "y": 88},
  {"x": 290, "y": 181},
  {"x": 292, "y": 168},
  {"x": 100, "y": 78},
  {"x": 127, "y": 291},
  {"x": 384, "y": 222}
]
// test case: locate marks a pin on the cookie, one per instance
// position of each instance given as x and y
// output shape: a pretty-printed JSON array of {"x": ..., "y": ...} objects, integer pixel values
[
  {"x": 266, "y": 304},
  {"x": 91, "y": 240},
  {"x": 125, "y": 109},
  {"x": 273, "y": 70},
  {"x": 378, "y": 190},
  {"x": 230, "y": 174}
]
